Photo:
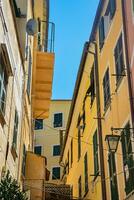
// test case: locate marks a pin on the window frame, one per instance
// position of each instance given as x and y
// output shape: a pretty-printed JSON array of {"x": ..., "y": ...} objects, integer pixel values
[
  {"x": 127, "y": 159},
  {"x": 56, "y": 145},
  {"x": 80, "y": 187},
  {"x": 42, "y": 124},
  {"x": 60, "y": 126},
  {"x": 53, "y": 176},
  {"x": 86, "y": 173},
  {"x": 15, "y": 130},
  {"x": 120, "y": 53},
  {"x": 113, "y": 177},
  {"x": 96, "y": 153},
  {"x": 106, "y": 88},
  {"x": 36, "y": 146}
]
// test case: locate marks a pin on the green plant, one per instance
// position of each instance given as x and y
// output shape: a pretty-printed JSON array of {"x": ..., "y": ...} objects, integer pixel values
[{"x": 10, "y": 190}]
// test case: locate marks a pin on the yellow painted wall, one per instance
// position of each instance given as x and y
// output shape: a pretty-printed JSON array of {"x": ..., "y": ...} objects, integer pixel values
[
  {"x": 77, "y": 168},
  {"x": 49, "y": 136},
  {"x": 117, "y": 115}
]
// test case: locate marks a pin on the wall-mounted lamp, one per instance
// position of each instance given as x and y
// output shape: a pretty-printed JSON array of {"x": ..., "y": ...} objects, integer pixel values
[{"x": 112, "y": 142}]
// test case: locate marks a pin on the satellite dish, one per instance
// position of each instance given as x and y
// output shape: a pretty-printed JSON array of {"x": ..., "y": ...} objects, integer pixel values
[{"x": 31, "y": 27}]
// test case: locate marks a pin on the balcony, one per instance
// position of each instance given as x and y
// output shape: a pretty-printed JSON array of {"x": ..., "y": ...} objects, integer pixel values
[{"x": 43, "y": 70}]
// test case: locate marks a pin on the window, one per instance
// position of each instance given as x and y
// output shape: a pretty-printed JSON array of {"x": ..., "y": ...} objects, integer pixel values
[
  {"x": 127, "y": 159},
  {"x": 29, "y": 73},
  {"x": 38, "y": 124},
  {"x": 58, "y": 120},
  {"x": 15, "y": 132},
  {"x": 5, "y": 71},
  {"x": 91, "y": 89},
  {"x": 106, "y": 89},
  {"x": 56, "y": 173},
  {"x": 101, "y": 32},
  {"x": 56, "y": 150},
  {"x": 79, "y": 187},
  {"x": 38, "y": 150},
  {"x": 71, "y": 152},
  {"x": 113, "y": 177},
  {"x": 16, "y": 9},
  {"x": 79, "y": 143},
  {"x": 95, "y": 150},
  {"x": 119, "y": 59},
  {"x": 24, "y": 160},
  {"x": 133, "y": 6},
  {"x": 86, "y": 173},
  {"x": 105, "y": 21}
]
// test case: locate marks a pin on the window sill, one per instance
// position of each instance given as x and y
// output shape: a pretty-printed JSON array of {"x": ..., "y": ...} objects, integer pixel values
[
  {"x": 14, "y": 153},
  {"x": 95, "y": 176}
]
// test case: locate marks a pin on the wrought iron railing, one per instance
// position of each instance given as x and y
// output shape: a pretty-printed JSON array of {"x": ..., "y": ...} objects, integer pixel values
[{"x": 46, "y": 36}]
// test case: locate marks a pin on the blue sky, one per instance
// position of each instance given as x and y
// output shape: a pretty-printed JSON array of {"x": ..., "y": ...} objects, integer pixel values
[{"x": 73, "y": 20}]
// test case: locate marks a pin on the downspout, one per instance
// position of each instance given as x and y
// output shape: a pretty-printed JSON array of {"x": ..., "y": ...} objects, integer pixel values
[
  {"x": 100, "y": 136},
  {"x": 128, "y": 64}
]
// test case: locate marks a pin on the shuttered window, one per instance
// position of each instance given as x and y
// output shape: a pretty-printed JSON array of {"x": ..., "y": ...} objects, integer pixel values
[
  {"x": 24, "y": 160},
  {"x": 119, "y": 59},
  {"x": 112, "y": 4},
  {"x": 56, "y": 150},
  {"x": 95, "y": 150},
  {"x": 15, "y": 131},
  {"x": 71, "y": 152},
  {"x": 113, "y": 177},
  {"x": 58, "y": 120},
  {"x": 29, "y": 74},
  {"x": 38, "y": 150},
  {"x": 38, "y": 124},
  {"x": 86, "y": 173},
  {"x": 101, "y": 33},
  {"x": 128, "y": 162},
  {"x": 79, "y": 144},
  {"x": 133, "y": 6},
  {"x": 79, "y": 187},
  {"x": 106, "y": 89},
  {"x": 56, "y": 173}
]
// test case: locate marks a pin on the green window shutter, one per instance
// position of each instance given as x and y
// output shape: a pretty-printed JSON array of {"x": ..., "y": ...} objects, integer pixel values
[
  {"x": 79, "y": 187},
  {"x": 24, "y": 160},
  {"x": 112, "y": 8},
  {"x": 71, "y": 151},
  {"x": 95, "y": 148},
  {"x": 133, "y": 5},
  {"x": 128, "y": 162},
  {"x": 113, "y": 177},
  {"x": 86, "y": 173},
  {"x": 15, "y": 133},
  {"x": 79, "y": 144},
  {"x": 101, "y": 33}
]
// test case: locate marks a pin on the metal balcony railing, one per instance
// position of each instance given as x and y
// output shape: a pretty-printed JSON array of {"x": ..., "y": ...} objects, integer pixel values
[{"x": 46, "y": 36}]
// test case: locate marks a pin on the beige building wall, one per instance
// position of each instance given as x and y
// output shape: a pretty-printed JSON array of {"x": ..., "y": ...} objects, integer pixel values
[
  {"x": 16, "y": 91},
  {"x": 49, "y": 136}
]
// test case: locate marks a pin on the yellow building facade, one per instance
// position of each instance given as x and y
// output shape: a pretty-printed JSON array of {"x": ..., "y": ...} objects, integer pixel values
[
  {"x": 101, "y": 107},
  {"x": 47, "y": 136}
]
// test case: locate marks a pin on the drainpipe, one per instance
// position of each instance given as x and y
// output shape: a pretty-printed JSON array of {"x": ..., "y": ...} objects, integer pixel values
[
  {"x": 100, "y": 136},
  {"x": 128, "y": 64}
]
